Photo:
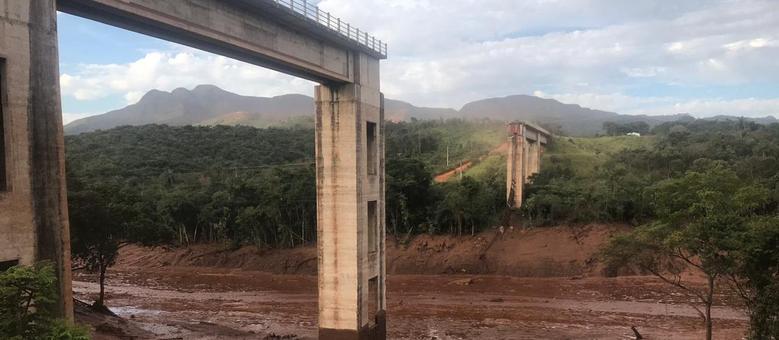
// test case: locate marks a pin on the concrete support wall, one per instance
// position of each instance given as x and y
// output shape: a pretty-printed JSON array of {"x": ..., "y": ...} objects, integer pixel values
[
  {"x": 350, "y": 192},
  {"x": 33, "y": 208}
]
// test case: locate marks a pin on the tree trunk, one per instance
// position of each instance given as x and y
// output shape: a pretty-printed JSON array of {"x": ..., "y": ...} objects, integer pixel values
[
  {"x": 709, "y": 301},
  {"x": 708, "y": 321},
  {"x": 101, "y": 298}
]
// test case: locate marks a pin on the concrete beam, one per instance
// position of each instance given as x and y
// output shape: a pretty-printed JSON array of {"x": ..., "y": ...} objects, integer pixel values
[{"x": 233, "y": 28}]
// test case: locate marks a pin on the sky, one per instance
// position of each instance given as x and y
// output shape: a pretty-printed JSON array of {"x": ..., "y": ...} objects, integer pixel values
[{"x": 702, "y": 57}]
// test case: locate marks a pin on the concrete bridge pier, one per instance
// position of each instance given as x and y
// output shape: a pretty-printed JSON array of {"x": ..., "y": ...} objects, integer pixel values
[
  {"x": 515, "y": 165},
  {"x": 350, "y": 206},
  {"x": 526, "y": 146},
  {"x": 33, "y": 198}
]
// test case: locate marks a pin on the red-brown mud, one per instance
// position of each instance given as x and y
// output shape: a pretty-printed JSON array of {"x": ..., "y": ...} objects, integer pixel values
[
  {"x": 210, "y": 303},
  {"x": 519, "y": 284}
]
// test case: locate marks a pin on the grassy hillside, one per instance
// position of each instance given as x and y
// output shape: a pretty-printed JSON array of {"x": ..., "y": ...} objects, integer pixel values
[
  {"x": 430, "y": 140},
  {"x": 588, "y": 154},
  {"x": 585, "y": 155}
]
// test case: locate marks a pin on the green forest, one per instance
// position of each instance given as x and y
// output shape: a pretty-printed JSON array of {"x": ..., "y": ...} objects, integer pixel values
[{"x": 158, "y": 184}]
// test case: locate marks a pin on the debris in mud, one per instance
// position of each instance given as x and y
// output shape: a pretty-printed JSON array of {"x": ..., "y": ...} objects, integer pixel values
[
  {"x": 462, "y": 282},
  {"x": 273, "y": 336},
  {"x": 105, "y": 324}
]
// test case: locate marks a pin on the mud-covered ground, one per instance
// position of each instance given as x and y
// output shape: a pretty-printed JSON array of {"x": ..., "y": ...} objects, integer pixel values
[{"x": 212, "y": 303}]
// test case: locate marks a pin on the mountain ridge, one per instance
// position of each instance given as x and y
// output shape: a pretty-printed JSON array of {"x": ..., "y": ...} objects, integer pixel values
[{"x": 211, "y": 105}]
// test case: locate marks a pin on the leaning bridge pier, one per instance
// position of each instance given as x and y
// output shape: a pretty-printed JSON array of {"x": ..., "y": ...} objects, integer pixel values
[{"x": 291, "y": 36}]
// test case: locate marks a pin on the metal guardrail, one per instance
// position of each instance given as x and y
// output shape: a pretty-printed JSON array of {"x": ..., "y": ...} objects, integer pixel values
[{"x": 313, "y": 13}]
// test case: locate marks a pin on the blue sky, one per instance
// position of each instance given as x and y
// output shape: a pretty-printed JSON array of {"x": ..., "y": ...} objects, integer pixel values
[{"x": 651, "y": 57}]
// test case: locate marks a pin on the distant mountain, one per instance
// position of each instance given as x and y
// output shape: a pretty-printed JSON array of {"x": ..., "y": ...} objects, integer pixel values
[
  {"x": 396, "y": 110},
  {"x": 759, "y": 120},
  {"x": 210, "y": 105},
  {"x": 203, "y": 105},
  {"x": 572, "y": 118}
]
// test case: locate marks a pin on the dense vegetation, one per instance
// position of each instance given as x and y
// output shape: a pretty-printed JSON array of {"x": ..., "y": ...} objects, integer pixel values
[
  {"x": 621, "y": 129},
  {"x": 160, "y": 184},
  {"x": 704, "y": 196},
  {"x": 27, "y": 305},
  {"x": 611, "y": 183}
]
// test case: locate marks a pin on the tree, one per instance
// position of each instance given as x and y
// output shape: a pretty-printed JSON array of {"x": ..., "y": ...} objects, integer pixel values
[
  {"x": 756, "y": 276},
  {"x": 698, "y": 219},
  {"x": 409, "y": 195},
  {"x": 102, "y": 220}
]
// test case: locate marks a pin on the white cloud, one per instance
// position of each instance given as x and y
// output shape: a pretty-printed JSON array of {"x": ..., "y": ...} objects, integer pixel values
[
  {"x": 446, "y": 53},
  {"x": 169, "y": 70},
  {"x": 451, "y": 52}
]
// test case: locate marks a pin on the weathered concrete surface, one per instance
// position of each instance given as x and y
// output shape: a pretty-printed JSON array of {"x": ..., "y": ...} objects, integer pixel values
[
  {"x": 246, "y": 30},
  {"x": 344, "y": 190},
  {"x": 33, "y": 210},
  {"x": 17, "y": 236},
  {"x": 526, "y": 146}
]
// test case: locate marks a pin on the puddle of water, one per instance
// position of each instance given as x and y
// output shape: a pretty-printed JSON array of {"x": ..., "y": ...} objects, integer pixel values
[{"x": 127, "y": 311}]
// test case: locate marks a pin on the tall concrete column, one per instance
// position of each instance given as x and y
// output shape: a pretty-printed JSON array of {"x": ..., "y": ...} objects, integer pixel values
[
  {"x": 350, "y": 206},
  {"x": 532, "y": 160},
  {"x": 34, "y": 220},
  {"x": 539, "y": 154},
  {"x": 515, "y": 165}
]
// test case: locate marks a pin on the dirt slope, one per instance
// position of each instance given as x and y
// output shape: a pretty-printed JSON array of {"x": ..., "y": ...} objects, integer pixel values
[
  {"x": 538, "y": 252},
  {"x": 446, "y": 175}
]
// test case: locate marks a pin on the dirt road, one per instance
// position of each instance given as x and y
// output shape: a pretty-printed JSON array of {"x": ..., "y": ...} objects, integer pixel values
[
  {"x": 213, "y": 303},
  {"x": 446, "y": 175}
]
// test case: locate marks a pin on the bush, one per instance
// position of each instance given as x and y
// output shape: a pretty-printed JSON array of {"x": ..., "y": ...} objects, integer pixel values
[{"x": 27, "y": 304}]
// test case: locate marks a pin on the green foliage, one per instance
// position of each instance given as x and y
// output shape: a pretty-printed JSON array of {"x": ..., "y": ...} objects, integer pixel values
[
  {"x": 621, "y": 129},
  {"x": 600, "y": 189},
  {"x": 429, "y": 140},
  {"x": 159, "y": 184},
  {"x": 710, "y": 204},
  {"x": 27, "y": 304},
  {"x": 469, "y": 205},
  {"x": 756, "y": 276},
  {"x": 700, "y": 217}
]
